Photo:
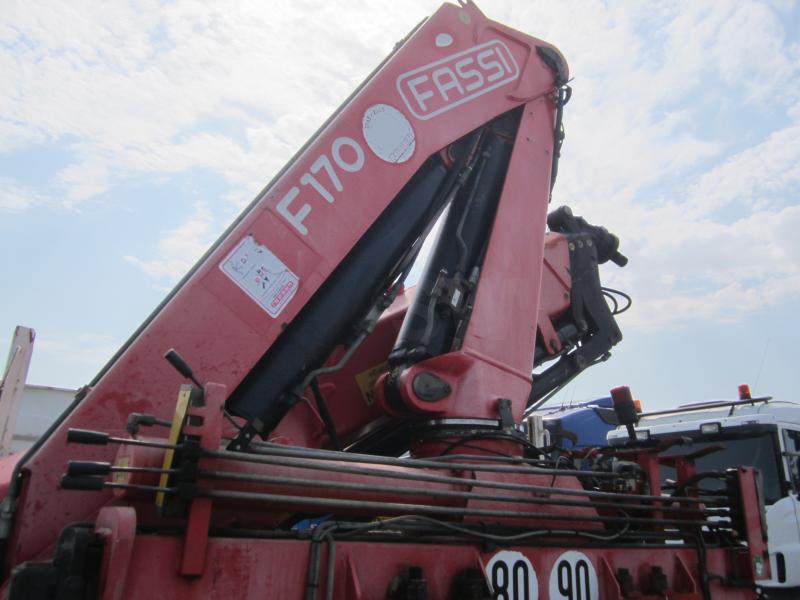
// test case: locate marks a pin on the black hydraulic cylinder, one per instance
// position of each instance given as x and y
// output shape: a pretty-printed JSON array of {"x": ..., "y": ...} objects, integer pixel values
[
  {"x": 431, "y": 322},
  {"x": 265, "y": 395}
]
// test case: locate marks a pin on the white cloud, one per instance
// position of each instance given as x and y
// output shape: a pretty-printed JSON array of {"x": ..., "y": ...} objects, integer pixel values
[
  {"x": 179, "y": 248},
  {"x": 83, "y": 349},
  {"x": 758, "y": 176},
  {"x": 69, "y": 359},
  {"x": 16, "y": 135},
  {"x": 84, "y": 180},
  {"x": 684, "y": 269},
  {"x": 14, "y": 197},
  {"x": 132, "y": 82}
]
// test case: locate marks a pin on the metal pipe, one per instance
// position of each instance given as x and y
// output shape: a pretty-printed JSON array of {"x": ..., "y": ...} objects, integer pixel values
[
  {"x": 362, "y": 487},
  {"x": 328, "y": 465},
  {"x": 502, "y": 459},
  {"x": 401, "y": 507},
  {"x": 295, "y": 451}
]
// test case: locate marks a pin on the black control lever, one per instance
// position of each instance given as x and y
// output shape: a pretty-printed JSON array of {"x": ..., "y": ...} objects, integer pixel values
[
  {"x": 87, "y": 484},
  {"x": 181, "y": 366},
  {"x": 85, "y": 436},
  {"x": 82, "y": 468},
  {"x": 99, "y": 438}
]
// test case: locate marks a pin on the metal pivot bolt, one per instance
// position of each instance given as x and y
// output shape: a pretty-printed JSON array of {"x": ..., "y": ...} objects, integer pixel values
[{"x": 430, "y": 388}]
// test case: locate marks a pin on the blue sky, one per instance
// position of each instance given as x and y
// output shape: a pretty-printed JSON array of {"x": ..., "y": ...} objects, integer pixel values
[{"x": 132, "y": 134}]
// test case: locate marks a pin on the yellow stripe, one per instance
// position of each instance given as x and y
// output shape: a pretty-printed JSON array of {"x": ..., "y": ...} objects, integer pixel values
[{"x": 174, "y": 432}]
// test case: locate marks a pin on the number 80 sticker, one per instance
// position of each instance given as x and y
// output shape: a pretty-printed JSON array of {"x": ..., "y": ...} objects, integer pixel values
[
  {"x": 511, "y": 577},
  {"x": 573, "y": 578}
]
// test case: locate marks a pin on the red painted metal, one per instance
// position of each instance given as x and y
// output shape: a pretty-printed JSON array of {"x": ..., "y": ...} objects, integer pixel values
[
  {"x": 755, "y": 563},
  {"x": 275, "y": 568},
  {"x": 366, "y": 569},
  {"x": 554, "y": 296},
  {"x": 117, "y": 526},
  {"x": 208, "y": 429}
]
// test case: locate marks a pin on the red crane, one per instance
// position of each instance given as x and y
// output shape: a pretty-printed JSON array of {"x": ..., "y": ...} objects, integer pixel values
[{"x": 348, "y": 436}]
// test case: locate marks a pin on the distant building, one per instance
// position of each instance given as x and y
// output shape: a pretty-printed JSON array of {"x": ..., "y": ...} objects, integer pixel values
[
  {"x": 26, "y": 410},
  {"x": 41, "y": 405}
]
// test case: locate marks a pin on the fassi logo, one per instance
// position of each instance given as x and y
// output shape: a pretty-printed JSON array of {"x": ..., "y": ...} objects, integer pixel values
[{"x": 435, "y": 88}]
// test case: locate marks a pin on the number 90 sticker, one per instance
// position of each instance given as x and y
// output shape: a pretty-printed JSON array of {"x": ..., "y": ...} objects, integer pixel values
[
  {"x": 573, "y": 578},
  {"x": 511, "y": 577}
]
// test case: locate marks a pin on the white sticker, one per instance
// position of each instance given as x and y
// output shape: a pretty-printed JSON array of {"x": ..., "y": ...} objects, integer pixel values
[
  {"x": 443, "y": 40},
  {"x": 573, "y": 578},
  {"x": 388, "y": 133},
  {"x": 511, "y": 575},
  {"x": 261, "y": 275}
]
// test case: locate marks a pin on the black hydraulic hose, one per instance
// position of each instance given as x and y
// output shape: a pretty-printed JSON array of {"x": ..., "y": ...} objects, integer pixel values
[
  {"x": 699, "y": 477},
  {"x": 702, "y": 565},
  {"x": 563, "y": 94},
  {"x": 325, "y": 415},
  {"x": 331, "y": 571},
  {"x": 322, "y": 531},
  {"x": 463, "y": 250}
]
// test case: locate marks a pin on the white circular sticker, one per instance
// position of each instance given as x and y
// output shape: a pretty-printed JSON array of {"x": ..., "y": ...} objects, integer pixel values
[
  {"x": 573, "y": 578},
  {"x": 388, "y": 133},
  {"x": 511, "y": 575},
  {"x": 443, "y": 40}
]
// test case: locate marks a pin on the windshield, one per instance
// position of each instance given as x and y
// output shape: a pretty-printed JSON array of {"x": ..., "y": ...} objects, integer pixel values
[{"x": 756, "y": 450}]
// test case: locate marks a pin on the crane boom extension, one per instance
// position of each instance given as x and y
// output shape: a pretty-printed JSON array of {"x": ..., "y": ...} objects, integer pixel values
[{"x": 350, "y": 398}]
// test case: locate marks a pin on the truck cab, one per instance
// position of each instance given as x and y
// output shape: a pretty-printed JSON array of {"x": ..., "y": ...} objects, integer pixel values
[
  {"x": 580, "y": 425},
  {"x": 760, "y": 432}
]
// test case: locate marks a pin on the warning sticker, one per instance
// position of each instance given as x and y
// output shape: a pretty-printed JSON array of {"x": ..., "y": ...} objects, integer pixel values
[
  {"x": 261, "y": 275},
  {"x": 366, "y": 381}
]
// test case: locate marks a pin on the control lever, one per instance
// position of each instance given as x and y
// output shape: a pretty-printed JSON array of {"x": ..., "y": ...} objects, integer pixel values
[{"x": 181, "y": 366}]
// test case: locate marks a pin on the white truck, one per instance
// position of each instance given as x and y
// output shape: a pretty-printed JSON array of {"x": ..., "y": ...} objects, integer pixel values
[{"x": 758, "y": 432}]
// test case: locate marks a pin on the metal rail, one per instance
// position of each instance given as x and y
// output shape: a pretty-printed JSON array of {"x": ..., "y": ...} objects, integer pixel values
[
  {"x": 466, "y": 495},
  {"x": 298, "y": 452},
  {"x": 402, "y": 507},
  {"x": 331, "y": 465}
]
